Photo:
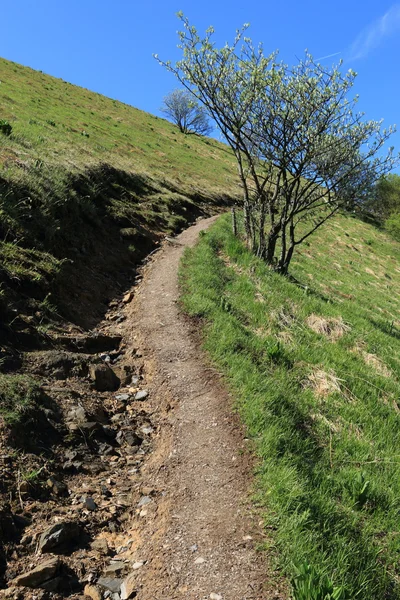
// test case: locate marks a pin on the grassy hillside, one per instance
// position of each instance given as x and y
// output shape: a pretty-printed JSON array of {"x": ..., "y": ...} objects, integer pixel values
[
  {"x": 313, "y": 363},
  {"x": 87, "y": 184}
]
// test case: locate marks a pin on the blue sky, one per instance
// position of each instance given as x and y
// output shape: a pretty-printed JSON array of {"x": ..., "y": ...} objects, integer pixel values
[{"x": 108, "y": 46}]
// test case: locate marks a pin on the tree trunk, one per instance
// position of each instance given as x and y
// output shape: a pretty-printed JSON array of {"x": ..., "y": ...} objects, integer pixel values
[
  {"x": 271, "y": 244},
  {"x": 261, "y": 250},
  {"x": 286, "y": 254},
  {"x": 234, "y": 222}
]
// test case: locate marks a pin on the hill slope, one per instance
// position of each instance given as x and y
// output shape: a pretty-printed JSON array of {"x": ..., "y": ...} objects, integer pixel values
[
  {"x": 87, "y": 185},
  {"x": 313, "y": 363}
]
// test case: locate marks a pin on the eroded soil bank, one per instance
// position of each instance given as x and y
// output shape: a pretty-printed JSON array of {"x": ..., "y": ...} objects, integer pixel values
[{"x": 154, "y": 474}]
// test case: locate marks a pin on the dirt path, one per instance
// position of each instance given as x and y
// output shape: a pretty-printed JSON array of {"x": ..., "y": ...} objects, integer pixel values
[{"x": 201, "y": 538}]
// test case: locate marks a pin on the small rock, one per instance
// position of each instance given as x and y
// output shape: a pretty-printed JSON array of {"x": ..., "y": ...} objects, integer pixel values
[
  {"x": 199, "y": 561},
  {"x": 105, "y": 380},
  {"x": 193, "y": 548},
  {"x": 89, "y": 503},
  {"x": 214, "y": 596},
  {"x": 144, "y": 500},
  {"x": 114, "y": 567},
  {"x": 129, "y": 587},
  {"x": 58, "y": 536},
  {"x": 127, "y": 298},
  {"x": 123, "y": 397},
  {"x": 109, "y": 583},
  {"x": 40, "y": 575},
  {"x": 58, "y": 487},
  {"x": 141, "y": 395},
  {"x": 137, "y": 565},
  {"x": 92, "y": 592},
  {"x": 128, "y": 437},
  {"x": 100, "y": 545}
]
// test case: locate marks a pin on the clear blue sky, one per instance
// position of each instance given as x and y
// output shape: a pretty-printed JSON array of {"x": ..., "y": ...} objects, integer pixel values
[{"x": 107, "y": 46}]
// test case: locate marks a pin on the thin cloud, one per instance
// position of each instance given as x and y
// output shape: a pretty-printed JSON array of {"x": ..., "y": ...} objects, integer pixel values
[
  {"x": 371, "y": 37},
  {"x": 328, "y": 56}
]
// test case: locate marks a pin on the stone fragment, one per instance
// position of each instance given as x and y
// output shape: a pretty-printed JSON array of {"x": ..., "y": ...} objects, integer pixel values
[
  {"x": 214, "y": 596},
  {"x": 58, "y": 537},
  {"x": 144, "y": 500},
  {"x": 104, "y": 378},
  {"x": 110, "y": 583},
  {"x": 122, "y": 397},
  {"x": 89, "y": 503},
  {"x": 92, "y": 592},
  {"x": 142, "y": 395},
  {"x": 114, "y": 567},
  {"x": 40, "y": 575},
  {"x": 127, "y": 298},
  {"x": 100, "y": 545},
  {"x": 128, "y": 587},
  {"x": 199, "y": 561}
]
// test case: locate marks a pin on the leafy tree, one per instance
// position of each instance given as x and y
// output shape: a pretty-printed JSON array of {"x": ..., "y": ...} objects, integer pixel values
[
  {"x": 183, "y": 110},
  {"x": 384, "y": 200},
  {"x": 302, "y": 151}
]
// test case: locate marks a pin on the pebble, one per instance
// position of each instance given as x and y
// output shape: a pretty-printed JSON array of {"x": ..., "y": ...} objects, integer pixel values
[
  {"x": 89, "y": 503},
  {"x": 137, "y": 565},
  {"x": 144, "y": 500},
  {"x": 123, "y": 397},
  {"x": 214, "y": 596},
  {"x": 141, "y": 395},
  {"x": 199, "y": 561}
]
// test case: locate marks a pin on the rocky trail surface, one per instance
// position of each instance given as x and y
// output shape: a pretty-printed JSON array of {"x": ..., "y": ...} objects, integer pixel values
[{"x": 151, "y": 496}]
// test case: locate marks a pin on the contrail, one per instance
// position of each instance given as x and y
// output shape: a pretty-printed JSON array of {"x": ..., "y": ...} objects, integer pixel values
[
  {"x": 371, "y": 37},
  {"x": 328, "y": 56}
]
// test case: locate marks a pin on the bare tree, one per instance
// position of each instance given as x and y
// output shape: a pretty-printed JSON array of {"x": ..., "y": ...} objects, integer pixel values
[
  {"x": 183, "y": 110},
  {"x": 302, "y": 151}
]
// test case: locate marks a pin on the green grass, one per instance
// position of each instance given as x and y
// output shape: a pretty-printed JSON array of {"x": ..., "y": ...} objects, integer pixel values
[
  {"x": 313, "y": 364},
  {"x": 19, "y": 395},
  {"x": 58, "y": 124}
]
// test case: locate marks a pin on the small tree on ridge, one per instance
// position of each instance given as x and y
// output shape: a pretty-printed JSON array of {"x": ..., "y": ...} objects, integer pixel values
[{"x": 183, "y": 110}]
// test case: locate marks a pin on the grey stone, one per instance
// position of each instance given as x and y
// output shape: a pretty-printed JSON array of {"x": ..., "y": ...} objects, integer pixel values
[
  {"x": 142, "y": 395},
  {"x": 89, "y": 503},
  {"x": 110, "y": 583},
  {"x": 144, "y": 500},
  {"x": 56, "y": 537},
  {"x": 123, "y": 397},
  {"x": 129, "y": 587}
]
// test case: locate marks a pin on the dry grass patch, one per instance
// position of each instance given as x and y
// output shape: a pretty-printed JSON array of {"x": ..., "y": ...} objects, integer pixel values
[
  {"x": 333, "y": 427},
  {"x": 377, "y": 364},
  {"x": 323, "y": 383},
  {"x": 331, "y": 328}
]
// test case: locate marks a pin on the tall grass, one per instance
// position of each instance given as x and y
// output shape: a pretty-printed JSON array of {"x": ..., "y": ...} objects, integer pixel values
[{"x": 313, "y": 363}]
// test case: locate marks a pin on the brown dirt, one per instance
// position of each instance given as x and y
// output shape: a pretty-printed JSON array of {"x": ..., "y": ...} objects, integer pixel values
[
  {"x": 183, "y": 495},
  {"x": 199, "y": 533}
]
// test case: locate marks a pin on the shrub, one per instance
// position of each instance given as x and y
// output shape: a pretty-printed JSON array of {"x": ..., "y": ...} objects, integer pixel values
[{"x": 392, "y": 225}]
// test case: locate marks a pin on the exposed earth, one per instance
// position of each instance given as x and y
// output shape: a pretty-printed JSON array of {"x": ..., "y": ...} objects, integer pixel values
[{"x": 148, "y": 494}]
